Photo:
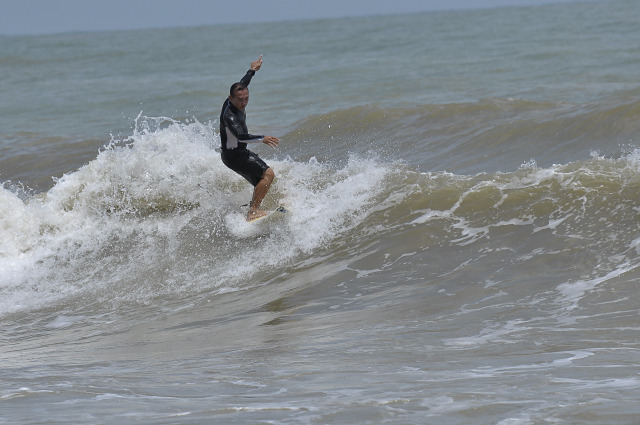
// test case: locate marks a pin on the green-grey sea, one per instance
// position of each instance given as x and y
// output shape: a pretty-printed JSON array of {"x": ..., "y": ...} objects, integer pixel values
[{"x": 462, "y": 244}]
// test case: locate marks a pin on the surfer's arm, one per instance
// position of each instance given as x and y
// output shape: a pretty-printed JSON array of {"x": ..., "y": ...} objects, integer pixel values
[
  {"x": 237, "y": 129},
  {"x": 255, "y": 66},
  {"x": 247, "y": 77},
  {"x": 233, "y": 125}
]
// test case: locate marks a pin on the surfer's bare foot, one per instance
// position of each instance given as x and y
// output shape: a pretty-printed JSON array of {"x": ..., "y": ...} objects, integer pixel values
[{"x": 256, "y": 214}]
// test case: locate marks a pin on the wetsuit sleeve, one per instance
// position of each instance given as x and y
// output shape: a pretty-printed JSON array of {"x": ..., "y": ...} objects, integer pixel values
[
  {"x": 247, "y": 77},
  {"x": 238, "y": 130}
]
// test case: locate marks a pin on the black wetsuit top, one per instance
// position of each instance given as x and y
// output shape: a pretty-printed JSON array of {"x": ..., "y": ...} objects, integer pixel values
[{"x": 233, "y": 127}]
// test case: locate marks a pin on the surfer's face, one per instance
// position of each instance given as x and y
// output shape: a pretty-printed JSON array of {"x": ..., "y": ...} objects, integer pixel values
[{"x": 240, "y": 99}]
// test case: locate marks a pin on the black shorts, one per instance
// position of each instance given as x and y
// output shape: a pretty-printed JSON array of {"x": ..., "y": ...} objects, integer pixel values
[{"x": 246, "y": 163}]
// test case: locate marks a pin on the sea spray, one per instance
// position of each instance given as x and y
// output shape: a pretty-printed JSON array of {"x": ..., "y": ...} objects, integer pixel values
[{"x": 160, "y": 209}]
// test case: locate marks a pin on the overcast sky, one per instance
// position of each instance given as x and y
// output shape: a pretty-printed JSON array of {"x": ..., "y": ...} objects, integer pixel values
[{"x": 53, "y": 16}]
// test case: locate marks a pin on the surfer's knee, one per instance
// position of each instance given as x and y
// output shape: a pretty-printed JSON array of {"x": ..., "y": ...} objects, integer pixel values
[{"x": 269, "y": 175}]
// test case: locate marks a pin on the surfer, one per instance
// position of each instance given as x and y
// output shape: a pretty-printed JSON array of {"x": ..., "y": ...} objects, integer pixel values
[{"x": 234, "y": 137}]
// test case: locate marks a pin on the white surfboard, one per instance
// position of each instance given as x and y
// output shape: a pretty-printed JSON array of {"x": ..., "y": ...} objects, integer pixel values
[{"x": 280, "y": 210}]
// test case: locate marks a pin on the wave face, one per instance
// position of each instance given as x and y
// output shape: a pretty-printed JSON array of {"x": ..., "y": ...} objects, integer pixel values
[
  {"x": 468, "y": 138},
  {"x": 161, "y": 201}
]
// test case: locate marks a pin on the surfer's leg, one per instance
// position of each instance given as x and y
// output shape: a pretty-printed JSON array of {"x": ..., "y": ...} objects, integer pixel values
[{"x": 259, "y": 193}]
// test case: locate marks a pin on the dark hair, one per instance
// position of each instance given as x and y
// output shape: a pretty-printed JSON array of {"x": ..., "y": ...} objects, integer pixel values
[{"x": 236, "y": 87}]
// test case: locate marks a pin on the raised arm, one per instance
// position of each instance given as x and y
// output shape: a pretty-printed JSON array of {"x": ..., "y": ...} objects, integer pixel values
[{"x": 255, "y": 66}]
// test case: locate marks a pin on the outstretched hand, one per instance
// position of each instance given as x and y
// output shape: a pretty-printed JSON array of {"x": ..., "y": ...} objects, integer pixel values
[
  {"x": 255, "y": 65},
  {"x": 271, "y": 141}
]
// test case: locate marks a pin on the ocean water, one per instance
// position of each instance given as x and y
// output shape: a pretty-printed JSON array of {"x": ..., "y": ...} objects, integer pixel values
[{"x": 463, "y": 245}]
